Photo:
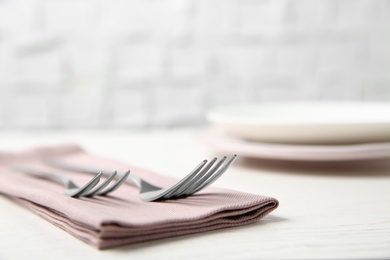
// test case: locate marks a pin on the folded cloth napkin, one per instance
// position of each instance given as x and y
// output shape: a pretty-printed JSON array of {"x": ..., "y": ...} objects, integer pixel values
[{"x": 121, "y": 218}]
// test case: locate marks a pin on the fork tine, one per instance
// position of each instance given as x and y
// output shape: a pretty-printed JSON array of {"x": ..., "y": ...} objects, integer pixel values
[
  {"x": 116, "y": 185},
  {"x": 200, "y": 181},
  {"x": 181, "y": 190},
  {"x": 101, "y": 186},
  {"x": 213, "y": 177},
  {"x": 92, "y": 183},
  {"x": 189, "y": 176}
]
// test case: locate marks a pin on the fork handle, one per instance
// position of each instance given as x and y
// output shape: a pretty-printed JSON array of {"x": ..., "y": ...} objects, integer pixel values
[{"x": 44, "y": 175}]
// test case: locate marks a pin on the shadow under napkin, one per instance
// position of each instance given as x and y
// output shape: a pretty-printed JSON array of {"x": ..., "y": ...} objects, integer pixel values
[{"x": 122, "y": 218}]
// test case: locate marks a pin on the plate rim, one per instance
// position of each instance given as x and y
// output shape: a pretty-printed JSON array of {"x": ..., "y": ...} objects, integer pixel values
[
  {"x": 295, "y": 152},
  {"x": 219, "y": 115},
  {"x": 329, "y": 128}
]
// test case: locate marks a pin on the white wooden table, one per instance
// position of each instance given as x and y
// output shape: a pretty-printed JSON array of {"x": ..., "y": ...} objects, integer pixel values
[{"x": 327, "y": 211}]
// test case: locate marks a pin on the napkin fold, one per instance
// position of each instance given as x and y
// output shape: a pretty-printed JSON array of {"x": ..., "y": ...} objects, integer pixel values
[{"x": 121, "y": 218}]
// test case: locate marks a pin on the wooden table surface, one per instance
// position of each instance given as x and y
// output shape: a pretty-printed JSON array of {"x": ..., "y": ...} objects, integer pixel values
[{"x": 327, "y": 210}]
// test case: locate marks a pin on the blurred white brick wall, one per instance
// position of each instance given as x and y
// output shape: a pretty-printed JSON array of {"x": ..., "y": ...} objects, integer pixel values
[{"x": 131, "y": 63}]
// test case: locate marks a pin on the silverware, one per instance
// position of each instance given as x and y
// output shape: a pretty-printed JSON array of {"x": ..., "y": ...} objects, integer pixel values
[
  {"x": 71, "y": 189},
  {"x": 202, "y": 176}
]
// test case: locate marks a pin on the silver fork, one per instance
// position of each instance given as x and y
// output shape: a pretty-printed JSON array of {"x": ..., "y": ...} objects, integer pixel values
[
  {"x": 71, "y": 189},
  {"x": 202, "y": 176}
]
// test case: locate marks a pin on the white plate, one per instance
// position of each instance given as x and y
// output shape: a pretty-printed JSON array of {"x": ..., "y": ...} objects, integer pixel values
[
  {"x": 292, "y": 152},
  {"x": 306, "y": 122}
]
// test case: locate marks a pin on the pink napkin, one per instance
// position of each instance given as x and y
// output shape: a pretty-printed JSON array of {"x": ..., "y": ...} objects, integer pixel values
[{"x": 121, "y": 218}]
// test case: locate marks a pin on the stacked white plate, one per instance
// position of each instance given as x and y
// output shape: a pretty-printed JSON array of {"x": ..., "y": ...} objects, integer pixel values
[{"x": 315, "y": 131}]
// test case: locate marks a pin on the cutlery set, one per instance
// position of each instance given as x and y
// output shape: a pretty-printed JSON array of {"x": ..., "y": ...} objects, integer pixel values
[
  {"x": 109, "y": 203},
  {"x": 199, "y": 178}
]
